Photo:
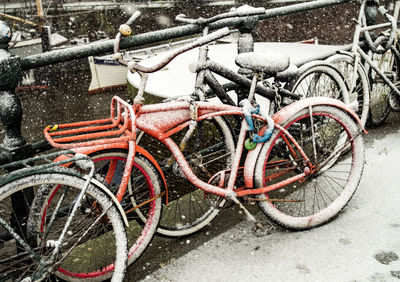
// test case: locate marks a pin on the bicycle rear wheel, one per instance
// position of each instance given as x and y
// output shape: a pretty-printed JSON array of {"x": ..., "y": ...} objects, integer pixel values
[
  {"x": 324, "y": 136},
  {"x": 210, "y": 149},
  {"x": 380, "y": 91},
  {"x": 142, "y": 199},
  {"x": 94, "y": 247}
]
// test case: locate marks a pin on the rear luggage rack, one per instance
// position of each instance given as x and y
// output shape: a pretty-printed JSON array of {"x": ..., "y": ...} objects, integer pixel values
[{"x": 117, "y": 128}]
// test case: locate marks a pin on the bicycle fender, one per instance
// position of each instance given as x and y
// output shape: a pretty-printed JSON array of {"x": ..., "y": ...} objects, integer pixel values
[
  {"x": 114, "y": 199},
  {"x": 288, "y": 111},
  {"x": 283, "y": 115},
  {"x": 120, "y": 145}
]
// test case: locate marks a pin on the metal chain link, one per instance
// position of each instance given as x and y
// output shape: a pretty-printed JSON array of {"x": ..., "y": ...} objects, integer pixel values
[{"x": 278, "y": 98}]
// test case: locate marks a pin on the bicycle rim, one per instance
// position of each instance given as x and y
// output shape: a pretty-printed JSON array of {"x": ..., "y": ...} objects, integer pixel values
[
  {"x": 380, "y": 91},
  {"x": 357, "y": 82},
  {"x": 319, "y": 197},
  {"x": 321, "y": 81}
]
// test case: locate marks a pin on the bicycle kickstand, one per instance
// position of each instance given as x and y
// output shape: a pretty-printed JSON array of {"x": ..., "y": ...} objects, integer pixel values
[{"x": 259, "y": 229}]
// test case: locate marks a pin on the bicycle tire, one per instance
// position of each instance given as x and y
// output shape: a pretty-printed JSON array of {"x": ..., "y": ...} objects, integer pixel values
[
  {"x": 144, "y": 185},
  {"x": 320, "y": 79},
  {"x": 91, "y": 259},
  {"x": 295, "y": 206},
  {"x": 360, "y": 83},
  {"x": 191, "y": 209},
  {"x": 380, "y": 91}
]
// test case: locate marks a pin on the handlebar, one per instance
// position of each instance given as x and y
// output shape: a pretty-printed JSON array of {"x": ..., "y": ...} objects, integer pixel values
[
  {"x": 133, "y": 66},
  {"x": 243, "y": 11},
  {"x": 373, "y": 45},
  {"x": 125, "y": 30}
]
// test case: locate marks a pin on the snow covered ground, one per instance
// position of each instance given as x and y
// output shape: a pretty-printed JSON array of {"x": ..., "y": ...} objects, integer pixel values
[{"x": 362, "y": 244}]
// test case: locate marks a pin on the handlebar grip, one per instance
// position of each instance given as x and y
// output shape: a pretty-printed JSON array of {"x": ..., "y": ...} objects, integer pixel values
[
  {"x": 125, "y": 30},
  {"x": 134, "y": 17}
]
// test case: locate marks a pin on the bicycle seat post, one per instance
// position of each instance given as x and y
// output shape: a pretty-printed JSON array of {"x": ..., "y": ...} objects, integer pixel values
[{"x": 252, "y": 91}]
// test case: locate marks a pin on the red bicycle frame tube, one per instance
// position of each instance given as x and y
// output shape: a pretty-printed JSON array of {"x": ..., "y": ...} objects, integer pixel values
[
  {"x": 120, "y": 145},
  {"x": 150, "y": 120}
]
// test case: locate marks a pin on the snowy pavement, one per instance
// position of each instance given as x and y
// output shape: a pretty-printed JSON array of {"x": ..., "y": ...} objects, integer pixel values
[{"x": 362, "y": 244}]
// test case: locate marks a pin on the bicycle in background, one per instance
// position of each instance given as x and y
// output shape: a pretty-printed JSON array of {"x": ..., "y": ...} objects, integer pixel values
[
  {"x": 373, "y": 67},
  {"x": 58, "y": 223}
]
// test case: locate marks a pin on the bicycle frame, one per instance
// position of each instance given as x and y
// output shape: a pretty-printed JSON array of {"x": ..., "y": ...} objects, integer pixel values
[
  {"x": 150, "y": 120},
  {"x": 204, "y": 76},
  {"x": 359, "y": 54}
]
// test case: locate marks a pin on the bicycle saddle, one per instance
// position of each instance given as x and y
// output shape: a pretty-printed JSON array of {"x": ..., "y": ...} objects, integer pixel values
[{"x": 270, "y": 64}]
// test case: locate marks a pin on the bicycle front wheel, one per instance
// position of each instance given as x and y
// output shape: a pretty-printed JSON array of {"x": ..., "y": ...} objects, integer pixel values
[
  {"x": 324, "y": 135},
  {"x": 357, "y": 81},
  {"x": 36, "y": 208}
]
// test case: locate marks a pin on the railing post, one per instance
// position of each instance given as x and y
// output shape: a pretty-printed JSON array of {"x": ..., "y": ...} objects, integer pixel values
[
  {"x": 45, "y": 36},
  {"x": 14, "y": 145}
]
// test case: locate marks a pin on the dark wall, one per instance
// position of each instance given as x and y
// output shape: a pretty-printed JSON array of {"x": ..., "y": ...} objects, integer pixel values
[{"x": 332, "y": 25}]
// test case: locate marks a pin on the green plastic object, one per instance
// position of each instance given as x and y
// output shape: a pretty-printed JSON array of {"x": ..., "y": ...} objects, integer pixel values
[{"x": 249, "y": 144}]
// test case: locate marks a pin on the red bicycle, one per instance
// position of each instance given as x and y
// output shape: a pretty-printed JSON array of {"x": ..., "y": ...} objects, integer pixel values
[{"x": 298, "y": 168}]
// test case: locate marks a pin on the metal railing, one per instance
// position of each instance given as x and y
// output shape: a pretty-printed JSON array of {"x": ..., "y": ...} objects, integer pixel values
[{"x": 15, "y": 147}]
